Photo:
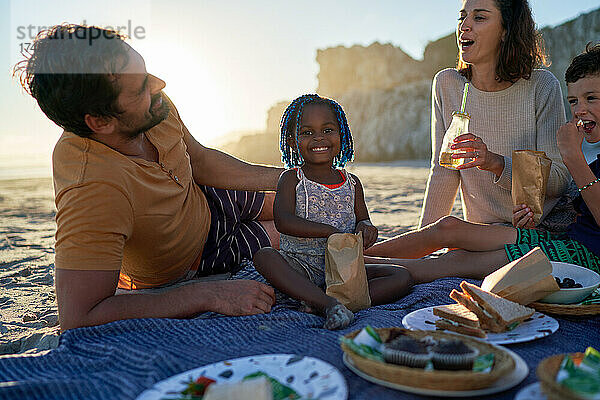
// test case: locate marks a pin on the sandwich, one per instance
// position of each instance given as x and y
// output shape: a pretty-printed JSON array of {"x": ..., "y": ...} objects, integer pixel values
[
  {"x": 255, "y": 389},
  {"x": 495, "y": 313},
  {"x": 477, "y": 311},
  {"x": 458, "y": 318},
  {"x": 486, "y": 323}
]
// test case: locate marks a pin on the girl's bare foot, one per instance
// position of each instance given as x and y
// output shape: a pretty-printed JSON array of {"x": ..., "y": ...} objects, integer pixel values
[{"x": 337, "y": 317}]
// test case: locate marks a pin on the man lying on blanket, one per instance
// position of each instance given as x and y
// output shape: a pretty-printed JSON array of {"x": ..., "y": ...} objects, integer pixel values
[{"x": 132, "y": 211}]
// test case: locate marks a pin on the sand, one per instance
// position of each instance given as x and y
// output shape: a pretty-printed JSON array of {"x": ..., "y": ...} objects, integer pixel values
[{"x": 28, "y": 311}]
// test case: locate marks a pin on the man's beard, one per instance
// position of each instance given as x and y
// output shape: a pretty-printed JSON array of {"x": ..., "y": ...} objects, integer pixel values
[{"x": 157, "y": 116}]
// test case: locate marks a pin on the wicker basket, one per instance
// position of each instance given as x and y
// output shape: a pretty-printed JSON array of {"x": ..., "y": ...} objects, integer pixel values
[
  {"x": 546, "y": 373},
  {"x": 437, "y": 380},
  {"x": 566, "y": 309}
]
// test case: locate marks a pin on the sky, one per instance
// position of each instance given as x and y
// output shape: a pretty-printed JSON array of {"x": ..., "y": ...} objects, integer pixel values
[{"x": 226, "y": 62}]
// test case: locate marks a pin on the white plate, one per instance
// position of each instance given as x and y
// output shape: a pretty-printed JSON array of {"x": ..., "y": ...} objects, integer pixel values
[
  {"x": 538, "y": 326},
  {"x": 310, "y": 377},
  {"x": 506, "y": 382},
  {"x": 531, "y": 392}
]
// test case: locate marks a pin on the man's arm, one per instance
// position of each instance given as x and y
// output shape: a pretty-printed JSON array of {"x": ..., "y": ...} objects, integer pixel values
[
  {"x": 214, "y": 168},
  {"x": 87, "y": 298}
]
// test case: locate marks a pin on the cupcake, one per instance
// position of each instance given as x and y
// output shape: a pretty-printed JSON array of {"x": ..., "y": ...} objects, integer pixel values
[
  {"x": 453, "y": 355},
  {"x": 405, "y": 350}
]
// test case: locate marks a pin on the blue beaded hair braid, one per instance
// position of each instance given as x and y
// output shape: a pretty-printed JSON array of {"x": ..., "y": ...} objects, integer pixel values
[{"x": 290, "y": 126}]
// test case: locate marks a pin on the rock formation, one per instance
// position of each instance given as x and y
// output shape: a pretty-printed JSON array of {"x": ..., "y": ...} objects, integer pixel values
[{"x": 360, "y": 69}]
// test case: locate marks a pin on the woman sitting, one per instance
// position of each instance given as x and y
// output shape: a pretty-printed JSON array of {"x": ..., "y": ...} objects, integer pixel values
[
  {"x": 484, "y": 248},
  {"x": 512, "y": 107}
]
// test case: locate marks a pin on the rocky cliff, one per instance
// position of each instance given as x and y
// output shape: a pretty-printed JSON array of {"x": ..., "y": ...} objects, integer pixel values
[{"x": 387, "y": 95}]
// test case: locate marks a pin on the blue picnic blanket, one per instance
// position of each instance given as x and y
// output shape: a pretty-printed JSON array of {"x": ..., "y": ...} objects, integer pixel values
[{"x": 121, "y": 359}]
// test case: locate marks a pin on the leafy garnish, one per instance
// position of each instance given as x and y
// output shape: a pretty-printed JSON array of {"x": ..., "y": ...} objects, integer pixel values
[
  {"x": 195, "y": 389},
  {"x": 484, "y": 363},
  {"x": 280, "y": 391},
  {"x": 513, "y": 326},
  {"x": 583, "y": 379},
  {"x": 363, "y": 350},
  {"x": 373, "y": 333}
]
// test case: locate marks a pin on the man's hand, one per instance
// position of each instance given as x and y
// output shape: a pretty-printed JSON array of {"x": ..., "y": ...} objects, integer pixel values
[
  {"x": 239, "y": 297},
  {"x": 87, "y": 298},
  {"x": 369, "y": 232},
  {"x": 522, "y": 217}
]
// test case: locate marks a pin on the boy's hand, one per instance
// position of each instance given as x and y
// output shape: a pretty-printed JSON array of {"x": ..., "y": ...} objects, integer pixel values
[
  {"x": 569, "y": 140},
  {"x": 369, "y": 232},
  {"x": 522, "y": 217}
]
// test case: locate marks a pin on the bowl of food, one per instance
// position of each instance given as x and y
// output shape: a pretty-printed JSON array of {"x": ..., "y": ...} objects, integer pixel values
[
  {"x": 572, "y": 376},
  {"x": 546, "y": 372},
  {"x": 575, "y": 282},
  {"x": 405, "y": 369}
]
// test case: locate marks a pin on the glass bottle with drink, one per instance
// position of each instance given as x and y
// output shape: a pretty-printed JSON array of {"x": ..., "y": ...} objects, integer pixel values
[{"x": 458, "y": 126}]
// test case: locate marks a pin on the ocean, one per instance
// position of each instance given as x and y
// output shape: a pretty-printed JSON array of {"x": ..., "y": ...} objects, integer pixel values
[{"x": 24, "y": 166}]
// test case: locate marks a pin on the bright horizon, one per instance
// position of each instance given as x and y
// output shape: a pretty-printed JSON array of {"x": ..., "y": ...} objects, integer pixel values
[{"x": 226, "y": 62}]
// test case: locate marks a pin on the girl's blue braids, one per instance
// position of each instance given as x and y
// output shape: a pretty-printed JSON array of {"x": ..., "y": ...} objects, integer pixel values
[{"x": 290, "y": 126}]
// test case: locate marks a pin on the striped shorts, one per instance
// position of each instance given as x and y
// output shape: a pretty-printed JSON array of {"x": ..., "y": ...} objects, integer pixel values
[
  {"x": 557, "y": 247},
  {"x": 235, "y": 233}
]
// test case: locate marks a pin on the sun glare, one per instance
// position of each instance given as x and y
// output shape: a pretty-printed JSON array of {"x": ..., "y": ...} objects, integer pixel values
[{"x": 195, "y": 94}]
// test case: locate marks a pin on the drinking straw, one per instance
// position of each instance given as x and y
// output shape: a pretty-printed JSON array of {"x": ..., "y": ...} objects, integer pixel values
[{"x": 464, "y": 100}]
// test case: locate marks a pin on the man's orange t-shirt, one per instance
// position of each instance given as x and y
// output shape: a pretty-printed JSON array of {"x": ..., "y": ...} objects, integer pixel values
[{"x": 149, "y": 220}]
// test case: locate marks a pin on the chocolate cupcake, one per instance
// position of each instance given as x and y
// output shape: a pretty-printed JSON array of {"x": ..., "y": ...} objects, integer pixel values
[
  {"x": 405, "y": 350},
  {"x": 453, "y": 355}
]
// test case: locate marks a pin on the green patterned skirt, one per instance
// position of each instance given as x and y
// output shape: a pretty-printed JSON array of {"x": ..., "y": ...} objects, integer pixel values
[{"x": 557, "y": 247}]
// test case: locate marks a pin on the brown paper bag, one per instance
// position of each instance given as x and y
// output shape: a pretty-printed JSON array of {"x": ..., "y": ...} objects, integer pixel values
[
  {"x": 524, "y": 280},
  {"x": 526, "y": 293},
  {"x": 345, "y": 273},
  {"x": 530, "y": 171}
]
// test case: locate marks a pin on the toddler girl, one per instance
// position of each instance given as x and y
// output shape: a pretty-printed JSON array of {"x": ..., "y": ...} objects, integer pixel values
[{"x": 316, "y": 198}]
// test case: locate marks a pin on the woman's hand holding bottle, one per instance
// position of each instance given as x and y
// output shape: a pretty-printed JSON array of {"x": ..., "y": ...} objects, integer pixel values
[{"x": 473, "y": 147}]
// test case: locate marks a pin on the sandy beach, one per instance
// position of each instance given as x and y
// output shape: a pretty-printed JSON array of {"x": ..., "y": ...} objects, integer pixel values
[{"x": 28, "y": 311}]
